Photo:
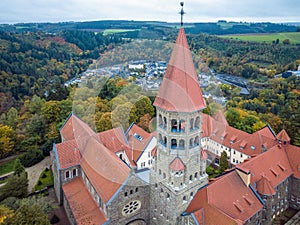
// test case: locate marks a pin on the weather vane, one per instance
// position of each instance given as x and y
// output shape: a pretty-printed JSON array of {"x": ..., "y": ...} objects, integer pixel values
[{"x": 181, "y": 12}]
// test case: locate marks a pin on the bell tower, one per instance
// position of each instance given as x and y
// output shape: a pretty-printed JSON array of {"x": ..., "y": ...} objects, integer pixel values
[{"x": 179, "y": 169}]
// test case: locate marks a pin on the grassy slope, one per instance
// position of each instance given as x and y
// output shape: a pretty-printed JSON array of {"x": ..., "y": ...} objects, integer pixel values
[
  {"x": 7, "y": 167},
  {"x": 293, "y": 36}
]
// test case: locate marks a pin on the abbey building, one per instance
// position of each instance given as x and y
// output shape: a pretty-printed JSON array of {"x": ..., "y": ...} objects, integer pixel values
[{"x": 133, "y": 177}]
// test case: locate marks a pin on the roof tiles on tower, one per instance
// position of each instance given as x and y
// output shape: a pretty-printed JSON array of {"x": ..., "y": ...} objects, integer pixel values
[
  {"x": 264, "y": 187},
  {"x": 283, "y": 136},
  {"x": 180, "y": 90},
  {"x": 177, "y": 165}
]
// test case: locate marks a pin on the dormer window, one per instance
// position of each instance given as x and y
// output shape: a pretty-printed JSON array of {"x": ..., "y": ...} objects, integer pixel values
[{"x": 137, "y": 136}]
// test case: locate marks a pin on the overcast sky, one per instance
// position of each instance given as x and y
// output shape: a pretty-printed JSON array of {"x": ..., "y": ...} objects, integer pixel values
[{"x": 15, "y": 11}]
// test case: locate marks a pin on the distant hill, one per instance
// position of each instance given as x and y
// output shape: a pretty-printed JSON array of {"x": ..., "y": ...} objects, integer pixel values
[{"x": 221, "y": 27}]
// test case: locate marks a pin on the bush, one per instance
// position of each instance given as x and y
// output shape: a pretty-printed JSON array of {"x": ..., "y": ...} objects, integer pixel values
[
  {"x": 31, "y": 157},
  {"x": 210, "y": 170},
  {"x": 54, "y": 219}
]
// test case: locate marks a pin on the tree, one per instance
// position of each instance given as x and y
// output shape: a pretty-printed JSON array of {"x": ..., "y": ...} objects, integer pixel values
[
  {"x": 286, "y": 41},
  {"x": 28, "y": 215},
  {"x": 6, "y": 140},
  {"x": 223, "y": 162},
  {"x": 18, "y": 167},
  {"x": 233, "y": 117},
  {"x": 104, "y": 123},
  {"x": 5, "y": 213},
  {"x": 16, "y": 186},
  {"x": 145, "y": 122}
]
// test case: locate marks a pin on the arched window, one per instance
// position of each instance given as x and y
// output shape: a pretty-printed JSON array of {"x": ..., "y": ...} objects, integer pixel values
[
  {"x": 196, "y": 141},
  {"x": 160, "y": 140},
  {"x": 173, "y": 143},
  {"x": 67, "y": 174},
  {"x": 197, "y": 122},
  {"x": 192, "y": 124},
  {"x": 165, "y": 122},
  {"x": 160, "y": 121},
  {"x": 191, "y": 142},
  {"x": 174, "y": 125},
  {"x": 181, "y": 144},
  {"x": 181, "y": 125},
  {"x": 165, "y": 141}
]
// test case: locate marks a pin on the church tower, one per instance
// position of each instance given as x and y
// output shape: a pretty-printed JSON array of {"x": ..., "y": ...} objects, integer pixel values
[{"x": 179, "y": 169}]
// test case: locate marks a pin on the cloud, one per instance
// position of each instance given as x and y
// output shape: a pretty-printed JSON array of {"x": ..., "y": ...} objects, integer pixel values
[{"x": 12, "y": 11}]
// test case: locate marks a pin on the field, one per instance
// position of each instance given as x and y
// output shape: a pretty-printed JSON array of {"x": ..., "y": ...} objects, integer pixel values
[
  {"x": 113, "y": 31},
  {"x": 294, "y": 37},
  {"x": 7, "y": 167}
]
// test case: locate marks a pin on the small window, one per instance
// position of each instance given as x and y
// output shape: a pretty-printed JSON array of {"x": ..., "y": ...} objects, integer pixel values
[{"x": 74, "y": 172}]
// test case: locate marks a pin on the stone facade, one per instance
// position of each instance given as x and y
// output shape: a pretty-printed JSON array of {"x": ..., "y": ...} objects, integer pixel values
[{"x": 179, "y": 136}]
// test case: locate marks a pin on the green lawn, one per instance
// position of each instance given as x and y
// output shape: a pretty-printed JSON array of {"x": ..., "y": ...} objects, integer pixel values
[
  {"x": 293, "y": 36},
  {"x": 7, "y": 167},
  {"x": 113, "y": 31},
  {"x": 46, "y": 179}
]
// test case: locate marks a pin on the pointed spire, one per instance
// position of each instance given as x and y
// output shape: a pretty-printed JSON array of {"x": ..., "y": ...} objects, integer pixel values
[
  {"x": 181, "y": 13},
  {"x": 283, "y": 136},
  {"x": 180, "y": 90}
]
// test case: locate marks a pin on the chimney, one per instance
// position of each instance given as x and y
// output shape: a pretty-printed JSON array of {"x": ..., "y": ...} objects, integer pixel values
[{"x": 244, "y": 175}]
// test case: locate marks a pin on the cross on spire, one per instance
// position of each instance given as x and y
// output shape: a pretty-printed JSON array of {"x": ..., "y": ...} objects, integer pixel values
[{"x": 181, "y": 12}]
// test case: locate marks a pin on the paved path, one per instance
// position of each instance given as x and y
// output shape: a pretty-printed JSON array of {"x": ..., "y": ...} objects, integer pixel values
[{"x": 35, "y": 171}]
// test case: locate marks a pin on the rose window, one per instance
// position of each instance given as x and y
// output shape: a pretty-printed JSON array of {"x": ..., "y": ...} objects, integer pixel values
[{"x": 131, "y": 207}]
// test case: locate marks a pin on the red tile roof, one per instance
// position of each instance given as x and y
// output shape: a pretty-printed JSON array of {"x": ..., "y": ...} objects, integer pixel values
[
  {"x": 180, "y": 90},
  {"x": 240, "y": 204},
  {"x": 293, "y": 154},
  {"x": 83, "y": 206},
  {"x": 264, "y": 187},
  {"x": 283, "y": 136},
  {"x": 236, "y": 207},
  {"x": 68, "y": 154},
  {"x": 113, "y": 139},
  {"x": 138, "y": 139},
  {"x": 221, "y": 117},
  {"x": 272, "y": 164},
  {"x": 104, "y": 169},
  {"x": 75, "y": 128},
  {"x": 177, "y": 165}
]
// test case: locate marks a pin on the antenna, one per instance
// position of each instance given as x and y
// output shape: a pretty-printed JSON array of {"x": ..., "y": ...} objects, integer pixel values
[{"x": 181, "y": 12}]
